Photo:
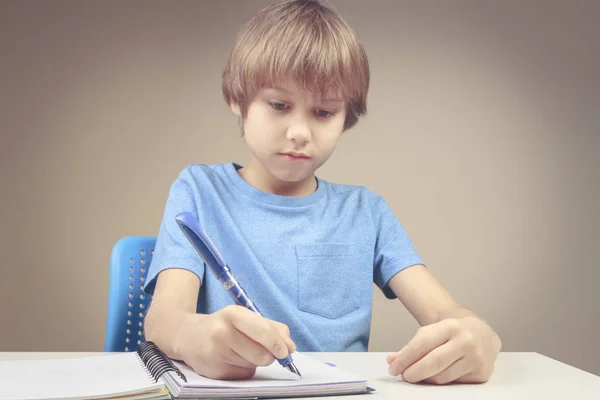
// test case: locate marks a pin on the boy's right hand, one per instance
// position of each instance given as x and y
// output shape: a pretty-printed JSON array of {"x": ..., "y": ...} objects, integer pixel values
[{"x": 232, "y": 342}]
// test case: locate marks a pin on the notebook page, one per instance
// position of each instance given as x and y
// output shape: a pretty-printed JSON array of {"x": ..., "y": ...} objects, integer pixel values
[
  {"x": 313, "y": 371},
  {"x": 74, "y": 378}
]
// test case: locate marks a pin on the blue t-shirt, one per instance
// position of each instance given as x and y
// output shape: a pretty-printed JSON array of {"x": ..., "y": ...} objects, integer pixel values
[{"x": 308, "y": 262}]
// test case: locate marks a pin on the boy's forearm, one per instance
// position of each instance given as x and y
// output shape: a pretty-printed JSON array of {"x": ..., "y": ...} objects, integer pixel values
[{"x": 163, "y": 324}]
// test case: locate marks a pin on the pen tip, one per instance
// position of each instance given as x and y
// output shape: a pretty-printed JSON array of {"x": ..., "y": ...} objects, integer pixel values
[{"x": 291, "y": 367}]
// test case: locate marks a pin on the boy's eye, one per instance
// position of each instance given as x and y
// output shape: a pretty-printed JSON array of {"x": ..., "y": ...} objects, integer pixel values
[
  {"x": 278, "y": 106},
  {"x": 324, "y": 113}
]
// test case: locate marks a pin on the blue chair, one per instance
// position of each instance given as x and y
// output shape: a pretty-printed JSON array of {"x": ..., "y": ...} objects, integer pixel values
[{"x": 127, "y": 302}]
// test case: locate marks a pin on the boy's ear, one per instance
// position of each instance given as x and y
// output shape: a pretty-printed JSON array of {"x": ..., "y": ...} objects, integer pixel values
[{"x": 236, "y": 109}]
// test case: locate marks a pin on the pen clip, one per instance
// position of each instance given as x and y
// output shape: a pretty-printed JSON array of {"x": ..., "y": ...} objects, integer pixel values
[{"x": 204, "y": 246}]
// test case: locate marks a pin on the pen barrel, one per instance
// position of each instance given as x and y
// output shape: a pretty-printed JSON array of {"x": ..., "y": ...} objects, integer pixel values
[{"x": 236, "y": 291}]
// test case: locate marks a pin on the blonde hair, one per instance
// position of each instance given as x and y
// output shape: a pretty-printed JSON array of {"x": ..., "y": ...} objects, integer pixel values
[{"x": 302, "y": 40}]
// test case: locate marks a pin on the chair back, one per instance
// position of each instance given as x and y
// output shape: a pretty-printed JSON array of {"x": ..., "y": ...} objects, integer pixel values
[{"x": 127, "y": 303}]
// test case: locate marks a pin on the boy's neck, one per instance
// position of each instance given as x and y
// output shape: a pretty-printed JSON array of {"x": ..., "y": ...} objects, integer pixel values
[{"x": 257, "y": 176}]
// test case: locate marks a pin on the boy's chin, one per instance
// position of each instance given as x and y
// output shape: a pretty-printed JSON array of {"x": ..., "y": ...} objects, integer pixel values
[
  {"x": 293, "y": 179},
  {"x": 292, "y": 176}
]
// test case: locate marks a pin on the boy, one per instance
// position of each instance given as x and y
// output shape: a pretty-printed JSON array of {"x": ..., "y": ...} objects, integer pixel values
[{"x": 307, "y": 251}]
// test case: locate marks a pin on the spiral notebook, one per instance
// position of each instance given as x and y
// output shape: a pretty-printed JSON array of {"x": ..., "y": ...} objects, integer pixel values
[{"x": 149, "y": 374}]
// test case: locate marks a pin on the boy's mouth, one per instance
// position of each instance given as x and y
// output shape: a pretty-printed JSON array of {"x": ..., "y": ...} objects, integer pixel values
[{"x": 293, "y": 156}]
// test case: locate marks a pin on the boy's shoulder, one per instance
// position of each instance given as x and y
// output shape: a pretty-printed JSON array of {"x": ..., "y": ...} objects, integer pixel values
[
  {"x": 357, "y": 191},
  {"x": 348, "y": 188},
  {"x": 202, "y": 172}
]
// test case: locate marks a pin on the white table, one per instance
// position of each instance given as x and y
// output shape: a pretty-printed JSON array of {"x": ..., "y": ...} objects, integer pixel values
[{"x": 516, "y": 376}]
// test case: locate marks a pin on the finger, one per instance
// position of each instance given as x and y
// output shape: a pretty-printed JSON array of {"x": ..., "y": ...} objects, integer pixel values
[
  {"x": 433, "y": 363},
  {"x": 250, "y": 351},
  {"x": 284, "y": 330},
  {"x": 258, "y": 328},
  {"x": 227, "y": 340},
  {"x": 457, "y": 370},
  {"x": 391, "y": 357},
  {"x": 290, "y": 345},
  {"x": 427, "y": 338}
]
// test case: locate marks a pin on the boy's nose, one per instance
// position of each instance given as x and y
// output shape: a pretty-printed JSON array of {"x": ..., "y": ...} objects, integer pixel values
[{"x": 299, "y": 133}]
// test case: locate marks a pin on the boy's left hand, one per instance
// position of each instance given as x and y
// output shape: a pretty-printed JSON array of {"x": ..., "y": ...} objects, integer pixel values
[{"x": 452, "y": 350}]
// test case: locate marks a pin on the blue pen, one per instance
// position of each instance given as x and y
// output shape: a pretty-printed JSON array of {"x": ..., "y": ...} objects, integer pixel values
[{"x": 206, "y": 249}]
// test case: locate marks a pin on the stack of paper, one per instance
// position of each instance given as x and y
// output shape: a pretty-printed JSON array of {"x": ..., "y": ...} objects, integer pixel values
[{"x": 124, "y": 376}]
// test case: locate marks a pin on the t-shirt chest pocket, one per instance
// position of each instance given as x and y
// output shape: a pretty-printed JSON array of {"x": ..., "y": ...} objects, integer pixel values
[{"x": 329, "y": 278}]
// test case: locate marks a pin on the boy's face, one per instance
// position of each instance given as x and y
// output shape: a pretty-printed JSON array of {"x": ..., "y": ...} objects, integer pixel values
[{"x": 291, "y": 131}]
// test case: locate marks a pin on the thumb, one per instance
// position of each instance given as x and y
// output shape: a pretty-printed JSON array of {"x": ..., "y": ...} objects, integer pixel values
[{"x": 284, "y": 331}]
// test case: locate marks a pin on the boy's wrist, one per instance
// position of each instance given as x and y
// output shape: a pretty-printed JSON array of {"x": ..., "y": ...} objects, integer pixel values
[
  {"x": 182, "y": 334},
  {"x": 455, "y": 312}
]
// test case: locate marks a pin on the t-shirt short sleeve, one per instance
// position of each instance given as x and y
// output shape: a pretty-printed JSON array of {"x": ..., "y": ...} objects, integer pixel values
[
  {"x": 394, "y": 249},
  {"x": 172, "y": 249}
]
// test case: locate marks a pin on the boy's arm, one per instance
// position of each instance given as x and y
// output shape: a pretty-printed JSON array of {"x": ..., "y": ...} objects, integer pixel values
[
  {"x": 425, "y": 297},
  {"x": 174, "y": 300},
  {"x": 453, "y": 343}
]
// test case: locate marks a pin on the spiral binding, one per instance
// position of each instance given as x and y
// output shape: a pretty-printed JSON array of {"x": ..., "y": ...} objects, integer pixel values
[{"x": 156, "y": 362}]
